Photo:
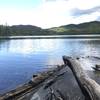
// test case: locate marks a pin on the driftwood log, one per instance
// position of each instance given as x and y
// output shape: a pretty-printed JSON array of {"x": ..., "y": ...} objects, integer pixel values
[
  {"x": 31, "y": 85},
  {"x": 88, "y": 86}
]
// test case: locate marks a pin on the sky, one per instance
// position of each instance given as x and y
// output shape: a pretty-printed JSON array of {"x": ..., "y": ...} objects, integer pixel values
[{"x": 48, "y": 13}]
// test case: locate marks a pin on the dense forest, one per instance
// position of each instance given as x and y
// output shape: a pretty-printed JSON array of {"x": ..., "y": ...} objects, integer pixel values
[
  {"x": 84, "y": 28},
  {"x": 18, "y": 30}
]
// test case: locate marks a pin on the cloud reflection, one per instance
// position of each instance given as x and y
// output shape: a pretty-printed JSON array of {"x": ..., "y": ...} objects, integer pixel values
[{"x": 33, "y": 46}]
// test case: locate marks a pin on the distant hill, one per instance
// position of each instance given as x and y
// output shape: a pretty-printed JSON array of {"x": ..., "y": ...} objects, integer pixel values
[
  {"x": 25, "y": 30},
  {"x": 17, "y": 30},
  {"x": 84, "y": 28}
]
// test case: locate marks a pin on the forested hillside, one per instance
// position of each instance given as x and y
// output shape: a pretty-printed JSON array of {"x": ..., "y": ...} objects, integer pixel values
[{"x": 84, "y": 28}]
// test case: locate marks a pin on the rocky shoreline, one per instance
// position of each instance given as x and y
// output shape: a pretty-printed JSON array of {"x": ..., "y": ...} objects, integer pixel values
[
  {"x": 31, "y": 85},
  {"x": 61, "y": 77}
]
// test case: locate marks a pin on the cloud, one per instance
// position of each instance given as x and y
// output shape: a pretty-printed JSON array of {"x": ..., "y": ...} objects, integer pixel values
[
  {"x": 58, "y": 12},
  {"x": 98, "y": 18},
  {"x": 45, "y": 15},
  {"x": 49, "y": 0},
  {"x": 84, "y": 4},
  {"x": 54, "y": 0},
  {"x": 86, "y": 18},
  {"x": 53, "y": 13},
  {"x": 78, "y": 12}
]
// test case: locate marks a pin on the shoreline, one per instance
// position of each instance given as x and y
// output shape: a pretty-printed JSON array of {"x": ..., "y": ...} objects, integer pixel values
[
  {"x": 27, "y": 87},
  {"x": 62, "y": 78},
  {"x": 51, "y": 37}
]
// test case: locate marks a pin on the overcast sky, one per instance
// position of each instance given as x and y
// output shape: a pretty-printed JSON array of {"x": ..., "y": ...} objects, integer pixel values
[{"x": 48, "y": 13}]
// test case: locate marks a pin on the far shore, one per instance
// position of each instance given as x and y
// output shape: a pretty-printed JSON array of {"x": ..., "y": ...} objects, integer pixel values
[{"x": 50, "y": 36}]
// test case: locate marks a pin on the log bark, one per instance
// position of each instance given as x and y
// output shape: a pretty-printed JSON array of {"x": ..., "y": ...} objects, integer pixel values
[{"x": 88, "y": 86}]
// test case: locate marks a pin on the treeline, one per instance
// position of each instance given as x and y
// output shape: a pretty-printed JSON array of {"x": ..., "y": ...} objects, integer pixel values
[
  {"x": 83, "y": 28},
  {"x": 72, "y": 29},
  {"x": 18, "y": 30},
  {"x": 4, "y": 30}
]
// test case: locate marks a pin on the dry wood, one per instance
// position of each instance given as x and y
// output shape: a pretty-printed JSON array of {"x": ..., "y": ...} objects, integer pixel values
[
  {"x": 40, "y": 78},
  {"x": 89, "y": 87}
]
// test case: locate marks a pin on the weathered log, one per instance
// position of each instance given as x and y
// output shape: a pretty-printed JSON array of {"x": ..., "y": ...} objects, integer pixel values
[
  {"x": 36, "y": 80},
  {"x": 89, "y": 87}
]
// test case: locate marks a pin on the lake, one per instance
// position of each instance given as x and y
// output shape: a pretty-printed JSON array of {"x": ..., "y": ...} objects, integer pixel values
[{"x": 21, "y": 58}]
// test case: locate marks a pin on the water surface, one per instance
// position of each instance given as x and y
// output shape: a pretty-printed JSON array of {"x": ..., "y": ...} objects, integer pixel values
[{"x": 21, "y": 58}]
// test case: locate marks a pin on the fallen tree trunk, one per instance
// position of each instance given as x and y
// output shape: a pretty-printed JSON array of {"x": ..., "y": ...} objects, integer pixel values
[
  {"x": 31, "y": 85},
  {"x": 89, "y": 87}
]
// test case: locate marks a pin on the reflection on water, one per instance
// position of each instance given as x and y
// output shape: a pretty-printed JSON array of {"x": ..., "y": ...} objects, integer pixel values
[
  {"x": 19, "y": 59},
  {"x": 33, "y": 46}
]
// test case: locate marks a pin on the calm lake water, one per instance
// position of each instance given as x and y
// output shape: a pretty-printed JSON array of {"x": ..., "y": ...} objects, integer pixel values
[{"x": 21, "y": 58}]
